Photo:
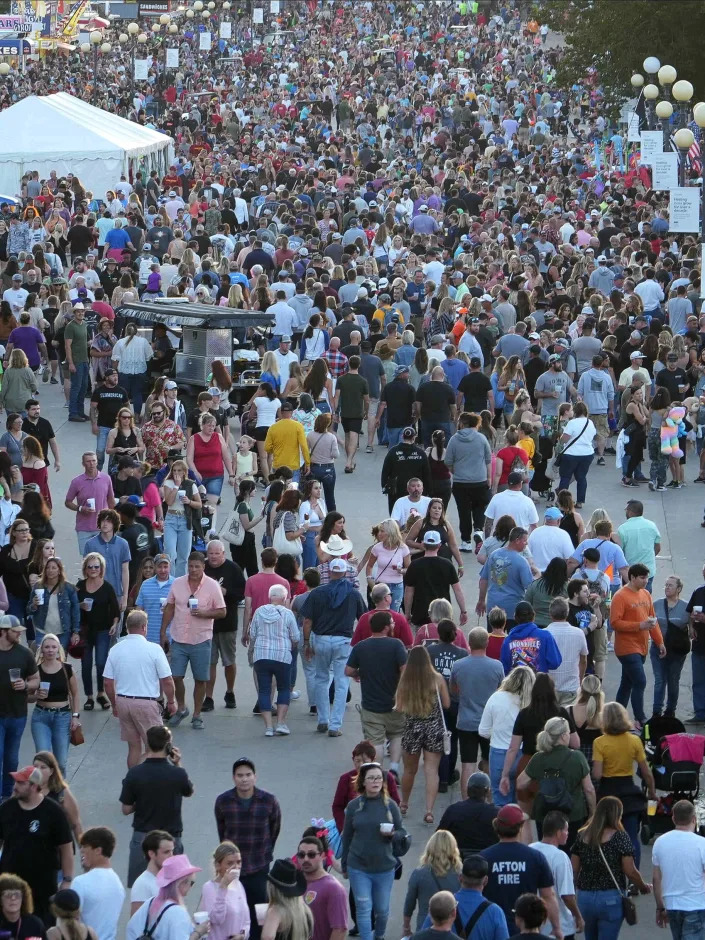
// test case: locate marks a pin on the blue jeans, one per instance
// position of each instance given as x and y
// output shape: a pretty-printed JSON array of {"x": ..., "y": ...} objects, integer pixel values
[
  {"x": 371, "y": 891},
  {"x": 101, "y": 645},
  {"x": 134, "y": 386},
  {"x": 687, "y": 925},
  {"x": 575, "y": 467},
  {"x": 64, "y": 637},
  {"x": 667, "y": 674},
  {"x": 602, "y": 913},
  {"x": 309, "y": 557},
  {"x": 397, "y": 592},
  {"x": 51, "y": 730},
  {"x": 633, "y": 684},
  {"x": 10, "y": 737},
  {"x": 265, "y": 669},
  {"x": 308, "y": 667},
  {"x": 17, "y": 606},
  {"x": 497, "y": 756},
  {"x": 428, "y": 427},
  {"x": 177, "y": 541},
  {"x": 79, "y": 387},
  {"x": 100, "y": 442},
  {"x": 325, "y": 474},
  {"x": 698, "y": 666},
  {"x": 331, "y": 656},
  {"x": 393, "y": 436}
]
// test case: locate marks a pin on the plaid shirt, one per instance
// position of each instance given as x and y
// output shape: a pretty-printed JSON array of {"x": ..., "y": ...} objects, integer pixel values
[
  {"x": 337, "y": 363},
  {"x": 254, "y": 828}
]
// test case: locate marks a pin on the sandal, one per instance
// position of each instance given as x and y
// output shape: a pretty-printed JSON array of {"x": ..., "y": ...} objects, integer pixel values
[
  {"x": 88, "y": 705},
  {"x": 103, "y": 702},
  {"x": 403, "y": 808},
  {"x": 428, "y": 819}
]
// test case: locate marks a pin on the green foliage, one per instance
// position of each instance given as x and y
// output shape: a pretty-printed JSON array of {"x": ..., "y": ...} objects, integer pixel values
[{"x": 615, "y": 36}]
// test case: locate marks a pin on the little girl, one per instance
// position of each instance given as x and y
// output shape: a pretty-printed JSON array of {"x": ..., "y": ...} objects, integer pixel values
[
  {"x": 527, "y": 443},
  {"x": 154, "y": 282},
  {"x": 246, "y": 460}
]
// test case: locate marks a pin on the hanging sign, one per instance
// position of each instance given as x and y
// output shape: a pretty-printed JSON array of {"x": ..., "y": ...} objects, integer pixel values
[{"x": 684, "y": 209}]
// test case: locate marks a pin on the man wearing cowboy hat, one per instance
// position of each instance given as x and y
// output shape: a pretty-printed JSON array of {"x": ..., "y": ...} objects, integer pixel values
[{"x": 337, "y": 547}]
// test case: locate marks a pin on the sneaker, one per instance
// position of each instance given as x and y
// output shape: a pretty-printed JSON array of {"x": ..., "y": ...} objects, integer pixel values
[
  {"x": 269, "y": 733},
  {"x": 53, "y": 381},
  {"x": 652, "y": 486},
  {"x": 322, "y": 728},
  {"x": 295, "y": 695},
  {"x": 255, "y": 710},
  {"x": 197, "y": 723},
  {"x": 282, "y": 729},
  {"x": 230, "y": 700},
  {"x": 611, "y": 451},
  {"x": 673, "y": 485},
  {"x": 208, "y": 704},
  {"x": 600, "y": 461},
  {"x": 660, "y": 488},
  {"x": 335, "y": 733},
  {"x": 312, "y": 710},
  {"x": 178, "y": 717},
  {"x": 610, "y": 646},
  {"x": 442, "y": 787},
  {"x": 45, "y": 376},
  {"x": 627, "y": 482},
  {"x": 466, "y": 547}
]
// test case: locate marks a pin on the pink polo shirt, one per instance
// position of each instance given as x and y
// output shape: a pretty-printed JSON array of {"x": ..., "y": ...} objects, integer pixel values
[
  {"x": 186, "y": 628},
  {"x": 99, "y": 488}
]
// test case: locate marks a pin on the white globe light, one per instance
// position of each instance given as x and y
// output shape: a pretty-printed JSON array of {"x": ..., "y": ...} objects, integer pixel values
[
  {"x": 106, "y": 48},
  {"x": 227, "y": 5},
  {"x": 664, "y": 109},
  {"x": 211, "y": 5},
  {"x": 667, "y": 75},
  {"x": 85, "y": 47},
  {"x": 651, "y": 92},
  {"x": 164, "y": 19},
  {"x": 96, "y": 37},
  {"x": 142, "y": 37},
  {"x": 637, "y": 80},
  {"x": 189, "y": 14},
  {"x": 684, "y": 138},
  {"x": 4, "y": 68},
  {"x": 173, "y": 28},
  {"x": 156, "y": 27},
  {"x": 123, "y": 38},
  {"x": 133, "y": 29},
  {"x": 699, "y": 113},
  {"x": 651, "y": 65},
  {"x": 198, "y": 5},
  {"x": 205, "y": 14},
  {"x": 683, "y": 90}
]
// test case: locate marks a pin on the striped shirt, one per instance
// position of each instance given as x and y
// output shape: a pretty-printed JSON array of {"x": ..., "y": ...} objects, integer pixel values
[
  {"x": 273, "y": 632},
  {"x": 572, "y": 645},
  {"x": 149, "y": 599}
]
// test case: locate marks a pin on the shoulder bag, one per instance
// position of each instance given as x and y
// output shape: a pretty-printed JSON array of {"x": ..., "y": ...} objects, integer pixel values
[
  {"x": 676, "y": 640},
  {"x": 557, "y": 458},
  {"x": 281, "y": 544},
  {"x": 628, "y": 906},
  {"x": 233, "y": 530},
  {"x": 446, "y": 733}
]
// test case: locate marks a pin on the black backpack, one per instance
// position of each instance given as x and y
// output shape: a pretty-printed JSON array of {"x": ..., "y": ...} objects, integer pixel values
[
  {"x": 148, "y": 931},
  {"x": 554, "y": 792}
]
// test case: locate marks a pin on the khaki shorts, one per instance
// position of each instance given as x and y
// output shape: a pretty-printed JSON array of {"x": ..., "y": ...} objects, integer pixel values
[
  {"x": 224, "y": 646},
  {"x": 600, "y": 645},
  {"x": 137, "y": 716},
  {"x": 377, "y": 727},
  {"x": 601, "y": 425}
]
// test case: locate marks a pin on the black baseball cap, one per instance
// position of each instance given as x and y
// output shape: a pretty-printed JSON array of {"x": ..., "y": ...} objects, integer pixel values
[
  {"x": 475, "y": 866},
  {"x": 244, "y": 762}
]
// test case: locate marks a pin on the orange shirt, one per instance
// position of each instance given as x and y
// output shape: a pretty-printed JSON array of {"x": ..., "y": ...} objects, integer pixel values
[
  {"x": 629, "y": 608},
  {"x": 458, "y": 330}
]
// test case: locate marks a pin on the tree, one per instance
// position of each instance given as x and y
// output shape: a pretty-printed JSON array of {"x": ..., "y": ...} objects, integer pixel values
[{"x": 615, "y": 36}]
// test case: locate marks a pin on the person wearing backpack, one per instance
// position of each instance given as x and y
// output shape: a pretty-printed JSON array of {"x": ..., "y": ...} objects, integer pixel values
[
  {"x": 563, "y": 778},
  {"x": 476, "y": 918},
  {"x": 165, "y": 916}
]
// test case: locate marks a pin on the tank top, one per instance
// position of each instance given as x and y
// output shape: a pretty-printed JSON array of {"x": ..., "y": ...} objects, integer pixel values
[
  {"x": 569, "y": 525},
  {"x": 439, "y": 469},
  {"x": 245, "y": 463},
  {"x": 125, "y": 440},
  {"x": 208, "y": 457}
]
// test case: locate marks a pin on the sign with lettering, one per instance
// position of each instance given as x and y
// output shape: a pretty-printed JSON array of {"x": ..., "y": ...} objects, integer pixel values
[
  {"x": 172, "y": 58},
  {"x": 20, "y": 24},
  {"x": 684, "y": 209},
  {"x": 633, "y": 134},
  {"x": 205, "y": 41},
  {"x": 226, "y": 29},
  {"x": 258, "y": 15},
  {"x": 15, "y": 47},
  {"x": 141, "y": 69},
  {"x": 651, "y": 143},
  {"x": 664, "y": 171}
]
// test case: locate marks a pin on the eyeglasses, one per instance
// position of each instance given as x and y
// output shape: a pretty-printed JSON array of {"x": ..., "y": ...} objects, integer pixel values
[
  {"x": 21, "y": 530},
  {"x": 375, "y": 779},
  {"x": 307, "y": 854},
  {"x": 11, "y": 895},
  {"x": 92, "y": 566}
]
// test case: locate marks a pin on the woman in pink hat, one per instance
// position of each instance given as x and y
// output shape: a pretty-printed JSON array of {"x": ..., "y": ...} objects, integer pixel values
[{"x": 166, "y": 916}]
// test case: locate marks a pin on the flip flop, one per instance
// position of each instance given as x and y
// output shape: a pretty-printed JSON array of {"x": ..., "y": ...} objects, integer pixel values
[{"x": 403, "y": 808}]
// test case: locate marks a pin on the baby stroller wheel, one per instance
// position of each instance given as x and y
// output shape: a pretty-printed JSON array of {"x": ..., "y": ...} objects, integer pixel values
[{"x": 645, "y": 835}]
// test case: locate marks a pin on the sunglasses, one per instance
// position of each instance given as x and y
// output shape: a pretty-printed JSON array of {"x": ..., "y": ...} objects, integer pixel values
[
  {"x": 307, "y": 854},
  {"x": 92, "y": 566}
]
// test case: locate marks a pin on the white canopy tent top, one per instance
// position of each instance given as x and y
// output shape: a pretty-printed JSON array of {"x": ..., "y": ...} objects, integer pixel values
[{"x": 63, "y": 133}]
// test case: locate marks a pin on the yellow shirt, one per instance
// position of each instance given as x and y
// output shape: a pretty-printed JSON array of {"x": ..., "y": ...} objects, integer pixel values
[
  {"x": 618, "y": 753},
  {"x": 527, "y": 444},
  {"x": 286, "y": 441}
]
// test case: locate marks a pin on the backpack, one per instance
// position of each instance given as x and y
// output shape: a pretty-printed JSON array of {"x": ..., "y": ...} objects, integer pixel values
[
  {"x": 465, "y": 932},
  {"x": 148, "y": 931},
  {"x": 553, "y": 791}
]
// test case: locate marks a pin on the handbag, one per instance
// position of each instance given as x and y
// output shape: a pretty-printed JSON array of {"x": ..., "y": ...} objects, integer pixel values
[
  {"x": 446, "y": 733},
  {"x": 76, "y": 734},
  {"x": 628, "y": 906},
  {"x": 557, "y": 458},
  {"x": 281, "y": 544},
  {"x": 676, "y": 640},
  {"x": 233, "y": 530}
]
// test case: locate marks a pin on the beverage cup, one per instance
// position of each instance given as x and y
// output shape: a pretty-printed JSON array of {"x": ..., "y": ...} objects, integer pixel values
[
  {"x": 651, "y": 808},
  {"x": 697, "y": 610},
  {"x": 44, "y": 686},
  {"x": 235, "y": 872},
  {"x": 88, "y": 601},
  {"x": 181, "y": 494},
  {"x": 90, "y": 503},
  {"x": 15, "y": 674},
  {"x": 261, "y": 912},
  {"x": 386, "y": 828},
  {"x": 193, "y": 603},
  {"x": 40, "y": 595},
  {"x": 162, "y": 602},
  {"x": 200, "y": 917}
]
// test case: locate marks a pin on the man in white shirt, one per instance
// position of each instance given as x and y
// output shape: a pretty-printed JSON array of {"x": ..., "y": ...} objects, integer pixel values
[
  {"x": 549, "y": 540},
  {"x": 678, "y": 860},
  {"x": 16, "y": 295},
  {"x": 157, "y": 845},
  {"x": 173, "y": 204},
  {"x": 136, "y": 675},
  {"x": 573, "y": 648},
  {"x": 240, "y": 207},
  {"x": 284, "y": 283},
  {"x": 100, "y": 890},
  {"x": 512, "y": 502},
  {"x": 285, "y": 318},
  {"x": 415, "y": 503},
  {"x": 285, "y": 357},
  {"x": 555, "y": 834},
  {"x": 650, "y": 292}
]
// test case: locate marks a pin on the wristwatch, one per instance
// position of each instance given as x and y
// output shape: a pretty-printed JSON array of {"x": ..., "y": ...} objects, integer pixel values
[{"x": 75, "y": 715}]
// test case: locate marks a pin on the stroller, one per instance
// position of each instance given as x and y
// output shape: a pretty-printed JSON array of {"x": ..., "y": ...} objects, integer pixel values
[{"x": 675, "y": 758}]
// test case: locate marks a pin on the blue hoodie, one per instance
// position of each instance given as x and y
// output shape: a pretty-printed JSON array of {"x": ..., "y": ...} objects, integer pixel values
[{"x": 530, "y": 645}]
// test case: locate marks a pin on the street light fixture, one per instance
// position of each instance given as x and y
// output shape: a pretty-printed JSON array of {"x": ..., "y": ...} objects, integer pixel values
[
  {"x": 684, "y": 139},
  {"x": 682, "y": 92},
  {"x": 637, "y": 80},
  {"x": 198, "y": 5},
  {"x": 651, "y": 65},
  {"x": 189, "y": 14},
  {"x": 4, "y": 69},
  {"x": 667, "y": 76},
  {"x": 664, "y": 111},
  {"x": 96, "y": 40},
  {"x": 699, "y": 116},
  {"x": 650, "y": 94}
]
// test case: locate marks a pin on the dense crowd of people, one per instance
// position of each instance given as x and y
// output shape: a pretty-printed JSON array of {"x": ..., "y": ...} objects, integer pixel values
[{"x": 451, "y": 279}]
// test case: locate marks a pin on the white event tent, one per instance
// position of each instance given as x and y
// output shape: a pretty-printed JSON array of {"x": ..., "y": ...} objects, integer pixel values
[{"x": 63, "y": 133}]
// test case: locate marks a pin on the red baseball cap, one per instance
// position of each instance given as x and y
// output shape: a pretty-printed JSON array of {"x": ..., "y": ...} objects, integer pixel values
[
  {"x": 26, "y": 775},
  {"x": 511, "y": 815}
]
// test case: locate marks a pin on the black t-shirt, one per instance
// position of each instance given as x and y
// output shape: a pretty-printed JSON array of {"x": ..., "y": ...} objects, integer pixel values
[
  {"x": 399, "y": 397},
  {"x": 671, "y": 380},
  {"x": 528, "y": 726},
  {"x": 130, "y": 486},
  {"x": 435, "y": 399},
  {"x": 232, "y": 583},
  {"x": 471, "y": 823},
  {"x": 475, "y": 386},
  {"x": 431, "y": 577},
  {"x": 29, "y": 926},
  {"x": 378, "y": 660},
  {"x": 31, "y": 840},
  {"x": 352, "y": 388},
  {"x": 109, "y": 402},
  {"x": 195, "y": 417},
  {"x": 697, "y": 599},
  {"x": 80, "y": 239},
  {"x": 14, "y": 704},
  {"x": 155, "y": 788},
  {"x": 137, "y": 537},
  {"x": 443, "y": 655},
  {"x": 42, "y": 430},
  {"x": 515, "y": 869}
]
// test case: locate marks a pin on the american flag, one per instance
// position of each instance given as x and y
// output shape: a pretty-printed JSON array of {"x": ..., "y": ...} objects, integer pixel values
[{"x": 693, "y": 158}]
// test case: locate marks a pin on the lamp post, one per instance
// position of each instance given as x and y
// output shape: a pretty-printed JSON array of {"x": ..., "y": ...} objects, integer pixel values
[
  {"x": 664, "y": 111},
  {"x": 682, "y": 93},
  {"x": 699, "y": 116},
  {"x": 667, "y": 76},
  {"x": 684, "y": 139},
  {"x": 96, "y": 41},
  {"x": 650, "y": 94}
]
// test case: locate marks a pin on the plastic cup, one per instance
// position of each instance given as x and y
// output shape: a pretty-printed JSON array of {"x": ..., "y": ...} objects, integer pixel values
[
  {"x": 261, "y": 912},
  {"x": 193, "y": 603},
  {"x": 88, "y": 601},
  {"x": 697, "y": 610},
  {"x": 181, "y": 494},
  {"x": 45, "y": 686},
  {"x": 386, "y": 828},
  {"x": 651, "y": 808},
  {"x": 15, "y": 674},
  {"x": 162, "y": 602},
  {"x": 200, "y": 917},
  {"x": 90, "y": 503},
  {"x": 40, "y": 595}
]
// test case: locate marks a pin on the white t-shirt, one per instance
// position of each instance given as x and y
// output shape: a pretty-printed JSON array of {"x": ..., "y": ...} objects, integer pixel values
[
  {"x": 513, "y": 503},
  {"x": 547, "y": 542},
  {"x": 176, "y": 924},
  {"x": 583, "y": 446},
  {"x": 681, "y": 858},
  {"x": 102, "y": 895},
  {"x": 144, "y": 887},
  {"x": 562, "y": 870},
  {"x": 266, "y": 411},
  {"x": 403, "y": 507}
]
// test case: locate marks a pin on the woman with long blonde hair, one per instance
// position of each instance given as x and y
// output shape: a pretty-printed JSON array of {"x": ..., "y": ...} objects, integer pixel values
[
  {"x": 497, "y": 724},
  {"x": 391, "y": 556},
  {"x": 439, "y": 867},
  {"x": 587, "y": 713},
  {"x": 420, "y": 695},
  {"x": 57, "y": 700},
  {"x": 287, "y": 915}
]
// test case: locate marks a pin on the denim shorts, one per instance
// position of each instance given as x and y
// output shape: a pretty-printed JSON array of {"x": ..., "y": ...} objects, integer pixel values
[
  {"x": 213, "y": 485},
  {"x": 198, "y": 654}
]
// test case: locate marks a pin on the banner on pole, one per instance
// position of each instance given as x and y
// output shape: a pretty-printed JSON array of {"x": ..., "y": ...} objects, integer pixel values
[
  {"x": 664, "y": 171},
  {"x": 141, "y": 69},
  {"x": 204, "y": 41},
  {"x": 633, "y": 135},
  {"x": 258, "y": 15},
  {"x": 651, "y": 144},
  {"x": 226, "y": 29},
  {"x": 172, "y": 58},
  {"x": 684, "y": 209},
  {"x": 275, "y": 6}
]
